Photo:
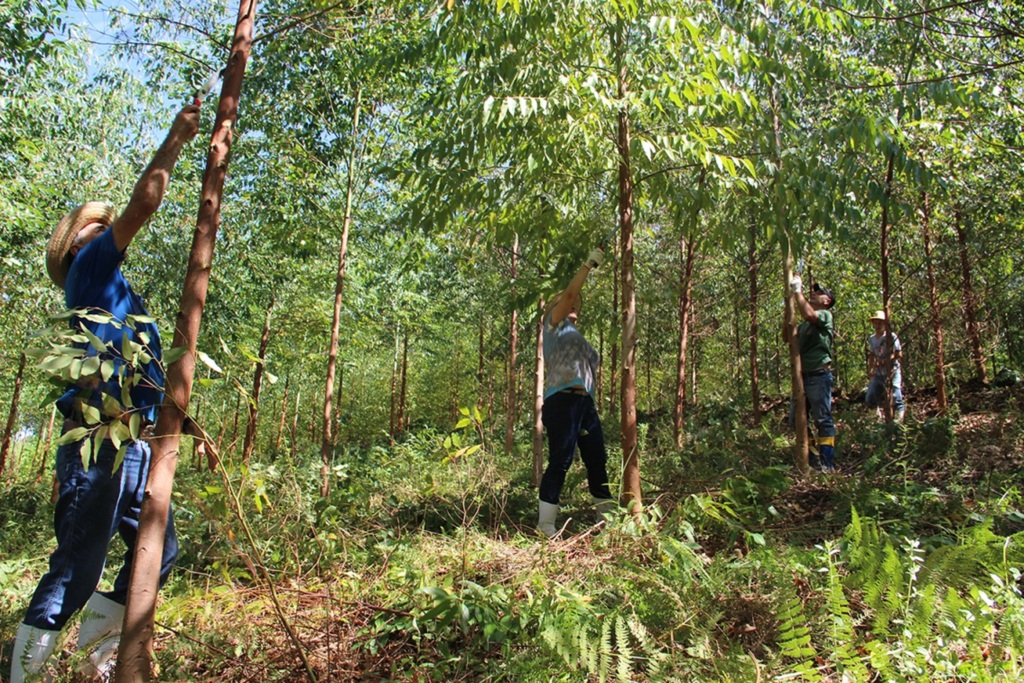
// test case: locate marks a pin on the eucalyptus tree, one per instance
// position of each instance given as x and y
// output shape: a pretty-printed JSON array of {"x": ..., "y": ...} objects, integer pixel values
[
  {"x": 535, "y": 94},
  {"x": 783, "y": 67},
  {"x": 134, "y": 655}
]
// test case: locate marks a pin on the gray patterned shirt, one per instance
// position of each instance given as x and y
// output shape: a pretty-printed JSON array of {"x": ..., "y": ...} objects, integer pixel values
[{"x": 569, "y": 360}]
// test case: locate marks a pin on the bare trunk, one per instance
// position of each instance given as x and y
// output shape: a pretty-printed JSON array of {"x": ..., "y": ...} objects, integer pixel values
[
  {"x": 800, "y": 452},
  {"x": 234, "y": 423},
  {"x": 12, "y": 416},
  {"x": 538, "y": 400},
  {"x": 456, "y": 391},
  {"x": 685, "y": 294},
  {"x": 970, "y": 309},
  {"x": 480, "y": 366},
  {"x": 45, "y": 439},
  {"x": 886, "y": 292},
  {"x": 327, "y": 440},
  {"x": 392, "y": 429},
  {"x": 511, "y": 404},
  {"x": 631, "y": 493},
  {"x": 312, "y": 419},
  {"x": 223, "y": 426},
  {"x": 402, "y": 390},
  {"x": 134, "y": 659},
  {"x": 257, "y": 387},
  {"x": 613, "y": 366},
  {"x": 284, "y": 415},
  {"x": 933, "y": 299},
  {"x": 295, "y": 425},
  {"x": 752, "y": 266}
]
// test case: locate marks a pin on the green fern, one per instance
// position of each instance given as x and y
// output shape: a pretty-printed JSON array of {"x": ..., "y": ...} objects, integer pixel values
[
  {"x": 842, "y": 634},
  {"x": 795, "y": 638}
]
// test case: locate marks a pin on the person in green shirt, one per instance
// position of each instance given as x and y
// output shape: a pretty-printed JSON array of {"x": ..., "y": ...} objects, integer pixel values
[{"x": 816, "y": 334}]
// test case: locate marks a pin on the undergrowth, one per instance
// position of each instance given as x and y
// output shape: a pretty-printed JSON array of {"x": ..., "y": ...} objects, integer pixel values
[{"x": 422, "y": 564}]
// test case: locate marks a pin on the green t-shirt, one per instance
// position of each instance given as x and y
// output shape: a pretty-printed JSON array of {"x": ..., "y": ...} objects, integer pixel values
[{"x": 816, "y": 342}]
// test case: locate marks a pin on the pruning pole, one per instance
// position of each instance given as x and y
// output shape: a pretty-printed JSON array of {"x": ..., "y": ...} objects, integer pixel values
[{"x": 134, "y": 660}]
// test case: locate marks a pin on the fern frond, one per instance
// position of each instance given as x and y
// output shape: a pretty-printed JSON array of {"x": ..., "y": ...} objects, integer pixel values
[
  {"x": 625, "y": 652},
  {"x": 795, "y": 638}
]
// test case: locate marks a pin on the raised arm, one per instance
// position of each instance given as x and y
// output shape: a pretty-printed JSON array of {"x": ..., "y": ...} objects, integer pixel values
[
  {"x": 570, "y": 293},
  {"x": 803, "y": 306},
  {"x": 152, "y": 184}
]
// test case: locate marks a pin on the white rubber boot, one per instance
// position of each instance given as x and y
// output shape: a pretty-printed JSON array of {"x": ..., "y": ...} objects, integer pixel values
[
  {"x": 603, "y": 509},
  {"x": 100, "y": 635},
  {"x": 32, "y": 648},
  {"x": 546, "y": 519}
]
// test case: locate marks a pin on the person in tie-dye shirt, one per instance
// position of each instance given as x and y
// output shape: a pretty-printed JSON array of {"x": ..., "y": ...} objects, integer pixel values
[{"x": 569, "y": 413}]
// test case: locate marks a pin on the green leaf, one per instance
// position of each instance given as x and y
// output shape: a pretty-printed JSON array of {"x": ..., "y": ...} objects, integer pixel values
[
  {"x": 134, "y": 425},
  {"x": 91, "y": 414},
  {"x": 94, "y": 341},
  {"x": 71, "y": 436},
  {"x": 119, "y": 456},
  {"x": 173, "y": 355},
  {"x": 91, "y": 366},
  {"x": 85, "y": 453},
  {"x": 464, "y": 422}
]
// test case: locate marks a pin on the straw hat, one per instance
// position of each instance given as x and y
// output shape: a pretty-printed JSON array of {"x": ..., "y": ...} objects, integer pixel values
[
  {"x": 57, "y": 261},
  {"x": 879, "y": 315}
]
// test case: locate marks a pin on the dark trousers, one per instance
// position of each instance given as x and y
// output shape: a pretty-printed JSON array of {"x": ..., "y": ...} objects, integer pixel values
[
  {"x": 94, "y": 504},
  {"x": 571, "y": 420}
]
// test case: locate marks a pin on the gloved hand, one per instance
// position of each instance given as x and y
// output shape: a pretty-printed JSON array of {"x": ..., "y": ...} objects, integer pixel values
[
  {"x": 796, "y": 284},
  {"x": 595, "y": 258}
]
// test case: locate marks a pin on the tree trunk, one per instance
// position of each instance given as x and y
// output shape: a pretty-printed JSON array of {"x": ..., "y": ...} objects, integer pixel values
[
  {"x": 511, "y": 402},
  {"x": 392, "y": 429},
  {"x": 48, "y": 436},
  {"x": 613, "y": 366},
  {"x": 752, "y": 266},
  {"x": 257, "y": 386},
  {"x": 312, "y": 419},
  {"x": 631, "y": 494},
  {"x": 886, "y": 292},
  {"x": 800, "y": 452},
  {"x": 480, "y": 366},
  {"x": 134, "y": 659},
  {"x": 456, "y": 385},
  {"x": 538, "y": 400},
  {"x": 402, "y": 390},
  {"x": 284, "y": 415},
  {"x": 933, "y": 299},
  {"x": 686, "y": 248},
  {"x": 327, "y": 442},
  {"x": 234, "y": 423},
  {"x": 12, "y": 416},
  {"x": 295, "y": 425},
  {"x": 970, "y": 309}
]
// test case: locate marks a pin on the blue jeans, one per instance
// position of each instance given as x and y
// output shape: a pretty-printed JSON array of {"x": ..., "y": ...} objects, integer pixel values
[
  {"x": 876, "y": 391},
  {"x": 571, "y": 420},
  {"x": 94, "y": 504},
  {"x": 818, "y": 389}
]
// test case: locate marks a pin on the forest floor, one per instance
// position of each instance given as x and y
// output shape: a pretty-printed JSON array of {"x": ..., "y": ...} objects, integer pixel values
[{"x": 423, "y": 565}]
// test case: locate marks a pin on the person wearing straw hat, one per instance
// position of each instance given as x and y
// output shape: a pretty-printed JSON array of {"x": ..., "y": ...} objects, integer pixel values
[
  {"x": 97, "y": 500},
  {"x": 884, "y": 368},
  {"x": 569, "y": 413},
  {"x": 816, "y": 334}
]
